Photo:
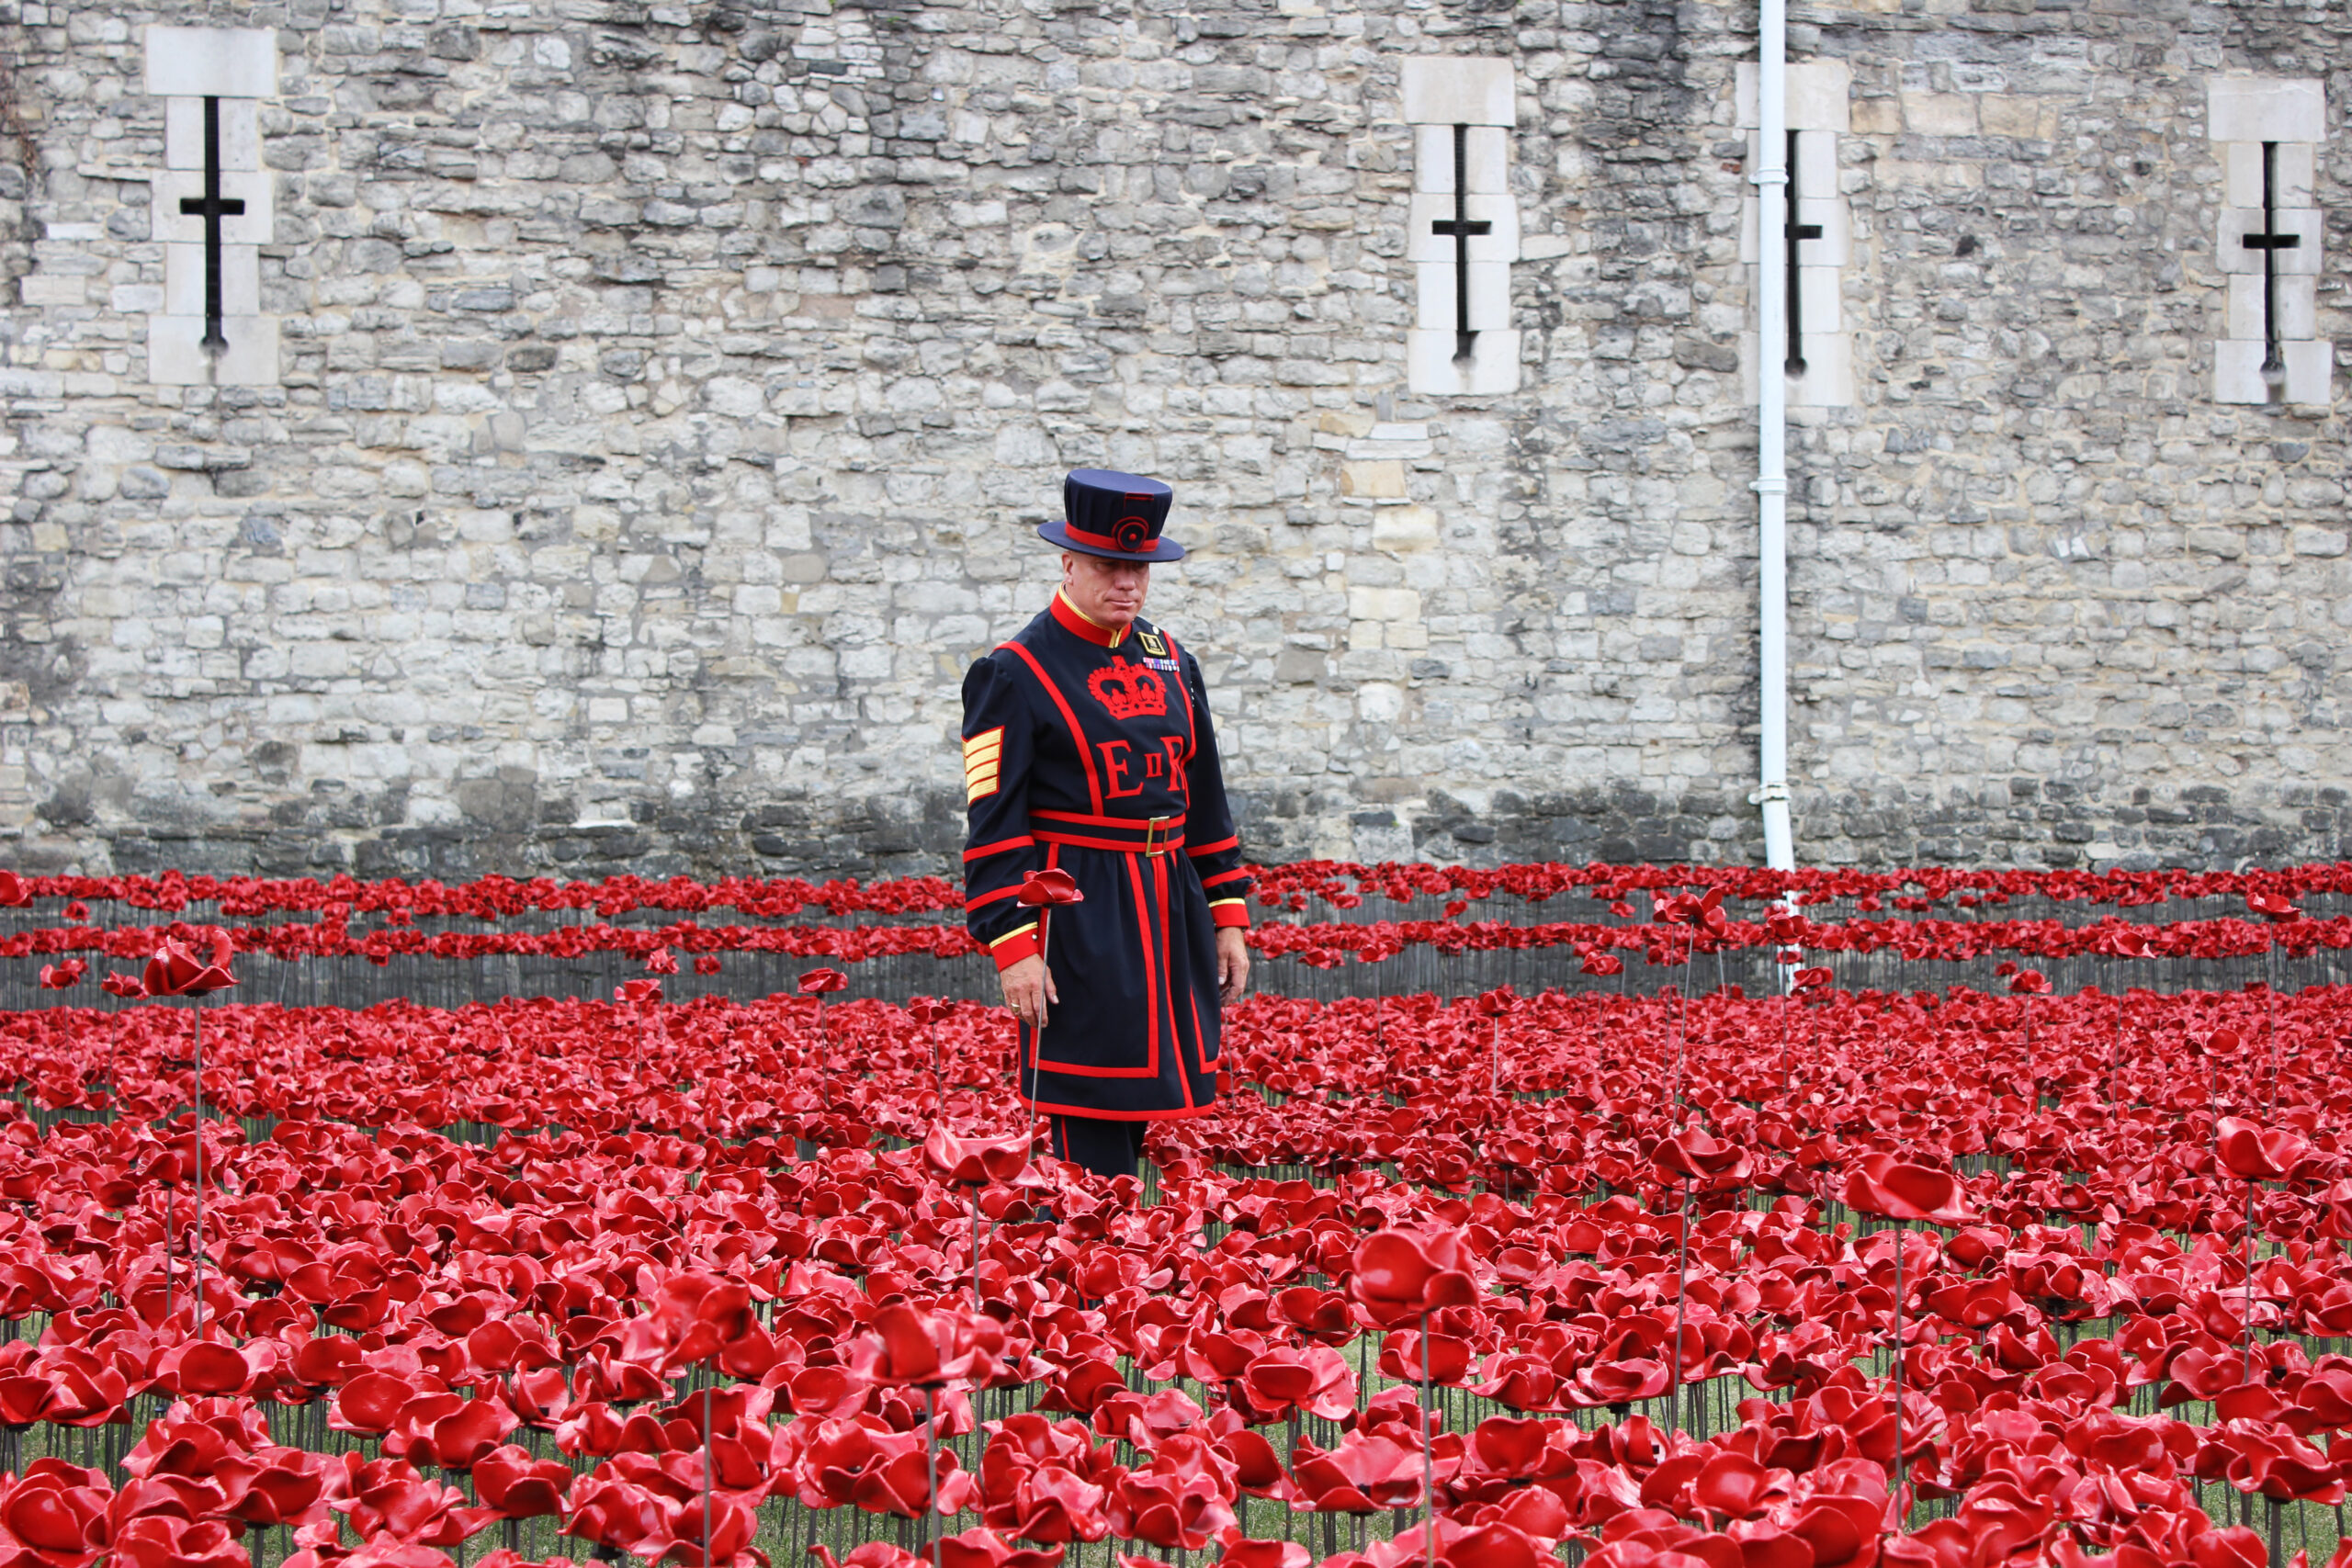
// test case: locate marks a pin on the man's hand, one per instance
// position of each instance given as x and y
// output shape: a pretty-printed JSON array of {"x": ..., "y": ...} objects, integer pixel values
[
  {"x": 1028, "y": 987},
  {"x": 1232, "y": 963}
]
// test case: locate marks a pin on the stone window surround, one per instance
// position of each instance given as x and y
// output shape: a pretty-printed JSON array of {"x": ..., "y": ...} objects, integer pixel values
[
  {"x": 1818, "y": 94},
  {"x": 184, "y": 67},
  {"x": 1440, "y": 93},
  {"x": 2241, "y": 114}
]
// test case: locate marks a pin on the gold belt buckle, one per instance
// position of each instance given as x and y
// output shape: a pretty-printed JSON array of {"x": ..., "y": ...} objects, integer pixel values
[{"x": 1155, "y": 835}]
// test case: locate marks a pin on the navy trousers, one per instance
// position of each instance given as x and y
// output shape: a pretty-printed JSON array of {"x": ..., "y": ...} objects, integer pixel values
[{"x": 1107, "y": 1148}]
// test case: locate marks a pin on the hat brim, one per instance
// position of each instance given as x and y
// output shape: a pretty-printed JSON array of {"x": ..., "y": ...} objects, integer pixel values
[{"x": 1162, "y": 548}]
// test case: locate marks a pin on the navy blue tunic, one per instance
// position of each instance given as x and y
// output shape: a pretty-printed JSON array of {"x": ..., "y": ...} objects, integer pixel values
[{"x": 1092, "y": 751}]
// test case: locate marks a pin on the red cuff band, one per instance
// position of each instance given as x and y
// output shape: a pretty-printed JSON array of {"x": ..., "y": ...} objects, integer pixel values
[
  {"x": 1013, "y": 949},
  {"x": 1234, "y": 913}
]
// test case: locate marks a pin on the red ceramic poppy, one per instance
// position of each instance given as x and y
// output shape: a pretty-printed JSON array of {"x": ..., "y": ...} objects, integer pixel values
[
  {"x": 823, "y": 982},
  {"x": 1051, "y": 885},
  {"x": 912, "y": 1348},
  {"x": 970, "y": 1162},
  {"x": 2257, "y": 1154},
  {"x": 1397, "y": 1275},
  {"x": 1693, "y": 1154},
  {"x": 2274, "y": 906},
  {"x": 176, "y": 971},
  {"x": 1895, "y": 1190}
]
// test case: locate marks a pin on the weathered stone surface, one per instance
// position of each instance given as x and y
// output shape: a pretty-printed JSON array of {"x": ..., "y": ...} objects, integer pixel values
[{"x": 669, "y": 392}]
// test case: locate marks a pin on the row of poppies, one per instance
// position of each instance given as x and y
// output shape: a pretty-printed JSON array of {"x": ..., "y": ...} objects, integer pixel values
[
  {"x": 1604, "y": 948},
  {"x": 1341, "y": 884}
]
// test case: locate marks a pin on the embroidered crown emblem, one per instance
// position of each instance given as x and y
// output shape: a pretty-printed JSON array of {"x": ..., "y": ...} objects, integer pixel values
[{"x": 1128, "y": 690}]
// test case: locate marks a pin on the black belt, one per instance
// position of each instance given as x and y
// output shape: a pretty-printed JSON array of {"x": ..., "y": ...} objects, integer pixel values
[{"x": 1128, "y": 835}]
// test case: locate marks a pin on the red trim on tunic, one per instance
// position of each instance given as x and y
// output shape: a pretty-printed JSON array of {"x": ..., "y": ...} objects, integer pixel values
[
  {"x": 1077, "y": 736},
  {"x": 987, "y": 898},
  {"x": 998, "y": 848},
  {"x": 1200, "y": 1041},
  {"x": 1033, "y": 1040},
  {"x": 1056, "y": 1108},
  {"x": 1229, "y": 914},
  {"x": 1222, "y": 845},
  {"x": 1184, "y": 1078},
  {"x": 1153, "y": 974},
  {"x": 1078, "y": 623},
  {"x": 1192, "y": 730}
]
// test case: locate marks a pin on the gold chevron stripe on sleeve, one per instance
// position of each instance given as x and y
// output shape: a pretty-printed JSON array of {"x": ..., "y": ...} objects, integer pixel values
[{"x": 982, "y": 753}]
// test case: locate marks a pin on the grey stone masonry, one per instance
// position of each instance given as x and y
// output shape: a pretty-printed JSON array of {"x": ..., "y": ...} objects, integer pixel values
[{"x": 666, "y": 392}]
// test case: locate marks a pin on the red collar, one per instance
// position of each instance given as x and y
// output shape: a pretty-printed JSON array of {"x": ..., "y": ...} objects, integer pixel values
[{"x": 1075, "y": 620}]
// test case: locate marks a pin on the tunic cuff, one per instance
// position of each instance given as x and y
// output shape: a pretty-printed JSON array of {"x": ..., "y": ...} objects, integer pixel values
[
  {"x": 1229, "y": 912},
  {"x": 1014, "y": 946}
]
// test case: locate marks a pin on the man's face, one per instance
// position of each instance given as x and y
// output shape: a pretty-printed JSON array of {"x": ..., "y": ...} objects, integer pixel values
[{"x": 1109, "y": 593}]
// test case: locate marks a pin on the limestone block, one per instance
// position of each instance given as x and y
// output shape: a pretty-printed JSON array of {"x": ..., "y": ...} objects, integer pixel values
[
  {"x": 184, "y": 134},
  {"x": 1485, "y": 156},
  {"x": 1489, "y": 295},
  {"x": 1500, "y": 243},
  {"x": 2238, "y": 371},
  {"x": 219, "y": 63},
  {"x": 1387, "y": 604},
  {"x": 1820, "y": 300},
  {"x": 184, "y": 280},
  {"x": 1816, "y": 164},
  {"x": 1375, "y": 481},
  {"x": 2295, "y": 298},
  {"x": 2236, "y": 223},
  {"x": 49, "y": 288},
  {"x": 1403, "y": 528},
  {"x": 2004, "y": 114},
  {"x": 1818, "y": 93},
  {"x": 2265, "y": 108},
  {"x": 1940, "y": 114},
  {"x": 2311, "y": 373},
  {"x": 176, "y": 357},
  {"x": 1878, "y": 116},
  {"x": 1430, "y": 366},
  {"x": 1446, "y": 89},
  {"x": 2292, "y": 166},
  {"x": 1828, "y": 379}
]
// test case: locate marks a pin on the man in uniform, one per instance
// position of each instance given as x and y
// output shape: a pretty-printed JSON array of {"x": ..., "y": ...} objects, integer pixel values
[{"x": 1088, "y": 747}]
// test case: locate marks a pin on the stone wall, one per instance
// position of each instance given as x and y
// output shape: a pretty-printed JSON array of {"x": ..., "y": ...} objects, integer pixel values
[{"x": 668, "y": 391}]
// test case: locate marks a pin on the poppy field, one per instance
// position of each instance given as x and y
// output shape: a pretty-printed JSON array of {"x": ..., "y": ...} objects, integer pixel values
[{"x": 1821, "y": 1277}]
